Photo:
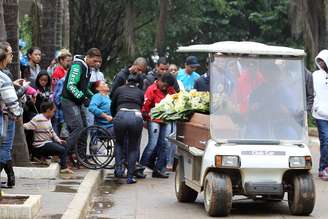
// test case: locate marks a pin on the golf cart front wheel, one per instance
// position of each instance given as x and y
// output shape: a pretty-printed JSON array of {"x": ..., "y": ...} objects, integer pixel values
[
  {"x": 301, "y": 197},
  {"x": 183, "y": 192},
  {"x": 217, "y": 194}
]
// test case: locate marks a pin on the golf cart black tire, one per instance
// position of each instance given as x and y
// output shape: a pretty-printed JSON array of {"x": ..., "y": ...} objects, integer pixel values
[
  {"x": 183, "y": 193},
  {"x": 221, "y": 197},
  {"x": 301, "y": 197}
]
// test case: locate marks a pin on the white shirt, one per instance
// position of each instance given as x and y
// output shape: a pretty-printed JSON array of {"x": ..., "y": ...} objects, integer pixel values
[{"x": 96, "y": 75}]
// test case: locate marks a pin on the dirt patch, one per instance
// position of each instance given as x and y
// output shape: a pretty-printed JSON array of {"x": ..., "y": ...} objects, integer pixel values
[
  {"x": 13, "y": 200},
  {"x": 65, "y": 189},
  {"x": 70, "y": 183}
]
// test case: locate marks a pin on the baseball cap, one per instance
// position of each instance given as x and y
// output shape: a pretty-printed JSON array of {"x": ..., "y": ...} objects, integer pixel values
[{"x": 192, "y": 61}]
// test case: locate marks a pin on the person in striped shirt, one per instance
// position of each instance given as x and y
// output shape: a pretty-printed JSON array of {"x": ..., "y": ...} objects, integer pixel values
[{"x": 46, "y": 142}]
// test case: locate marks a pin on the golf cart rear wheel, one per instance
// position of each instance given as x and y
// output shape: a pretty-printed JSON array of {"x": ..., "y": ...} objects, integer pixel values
[
  {"x": 301, "y": 197},
  {"x": 217, "y": 194},
  {"x": 183, "y": 192}
]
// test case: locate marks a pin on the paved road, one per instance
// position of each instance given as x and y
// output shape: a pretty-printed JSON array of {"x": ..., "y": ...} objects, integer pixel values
[{"x": 155, "y": 198}]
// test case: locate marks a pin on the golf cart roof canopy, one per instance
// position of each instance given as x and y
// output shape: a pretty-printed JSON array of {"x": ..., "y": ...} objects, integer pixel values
[{"x": 247, "y": 48}]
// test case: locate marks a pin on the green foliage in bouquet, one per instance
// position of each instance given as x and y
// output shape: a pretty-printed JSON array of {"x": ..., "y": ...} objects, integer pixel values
[{"x": 181, "y": 105}]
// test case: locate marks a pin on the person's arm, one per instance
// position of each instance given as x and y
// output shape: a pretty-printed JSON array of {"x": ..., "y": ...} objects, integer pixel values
[
  {"x": 117, "y": 82},
  {"x": 9, "y": 96},
  {"x": 31, "y": 125},
  {"x": 74, "y": 77},
  {"x": 113, "y": 105},
  {"x": 148, "y": 104},
  {"x": 89, "y": 93},
  {"x": 55, "y": 136},
  {"x": 309, "y": 90},
  {"x": 94, "y": 106}
]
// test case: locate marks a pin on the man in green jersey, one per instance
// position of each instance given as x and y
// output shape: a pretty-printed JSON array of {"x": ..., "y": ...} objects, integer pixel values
[{"x": 76, "y": 93}]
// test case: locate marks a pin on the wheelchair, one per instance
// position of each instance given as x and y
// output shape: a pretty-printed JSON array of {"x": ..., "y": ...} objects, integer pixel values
[{"x": 95, "y": 148}]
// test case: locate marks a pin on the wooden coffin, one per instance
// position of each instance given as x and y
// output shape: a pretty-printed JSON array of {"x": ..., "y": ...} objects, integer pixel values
[{"x": 195, "y": 132}]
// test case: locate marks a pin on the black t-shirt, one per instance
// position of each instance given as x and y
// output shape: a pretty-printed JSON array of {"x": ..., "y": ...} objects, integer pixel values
[{"x": 127, "y": 96}]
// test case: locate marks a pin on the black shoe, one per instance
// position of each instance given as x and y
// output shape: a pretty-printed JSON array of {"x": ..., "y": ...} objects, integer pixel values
[
  {"x": 131, "y": 180},
  {"x": 159, "y": 174},
  {"x": 10, "y": 174},
  {"x": 118, "y": 175},
  {"x": 139, "y": 174}
]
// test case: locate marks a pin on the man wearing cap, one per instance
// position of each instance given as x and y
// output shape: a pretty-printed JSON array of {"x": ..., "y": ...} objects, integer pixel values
[{"x": 188, "y": 75}]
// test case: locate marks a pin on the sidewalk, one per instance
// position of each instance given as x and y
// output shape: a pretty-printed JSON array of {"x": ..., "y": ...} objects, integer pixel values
[{"x": 56, "y": 194}]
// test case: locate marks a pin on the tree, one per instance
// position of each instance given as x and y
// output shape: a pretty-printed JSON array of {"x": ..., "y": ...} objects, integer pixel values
[
  {"x": 97, "y": 23},
  {"x": 160, "y": 33},
  {"x": 3, "y": 33},
  {"x": 309, "y": 20}
]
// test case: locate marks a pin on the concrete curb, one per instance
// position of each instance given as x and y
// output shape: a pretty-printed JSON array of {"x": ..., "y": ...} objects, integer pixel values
[
  {"x": 28, "y": 210},
  {"x": 78, "y": 207}
]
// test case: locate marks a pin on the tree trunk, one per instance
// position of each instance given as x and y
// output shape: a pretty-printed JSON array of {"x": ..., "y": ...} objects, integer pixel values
[
  {"x": 66, "y": 26},
  {"x": 160, "y": 33},
  {"x": 36, "y": 22},
  {"x": 129, "y": 24},
  {"x": 59, "y": 23},
  {"x": 308, "y": 20},
  {"x": 20, "y": 149},
  {"x": 48, "y": 32},
  {"x": 10, "y": 8},
  {"x": 3, "y": 33}
]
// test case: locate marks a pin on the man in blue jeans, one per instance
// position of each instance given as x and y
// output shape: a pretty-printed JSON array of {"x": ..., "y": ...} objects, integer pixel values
[
  {"x": 158, "y": 131},
  {"x": 320, "y": 109}
]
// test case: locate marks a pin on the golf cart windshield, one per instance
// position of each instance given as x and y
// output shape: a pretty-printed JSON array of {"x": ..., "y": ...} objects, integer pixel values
[{"x": 257, "y": 99}]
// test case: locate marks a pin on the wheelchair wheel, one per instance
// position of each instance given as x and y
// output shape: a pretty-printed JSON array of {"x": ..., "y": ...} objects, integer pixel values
[{"x": 95, "y": 147}]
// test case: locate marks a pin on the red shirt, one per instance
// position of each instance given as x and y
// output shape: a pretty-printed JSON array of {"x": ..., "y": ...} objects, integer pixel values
[
  {"x": 153, "y": 95},
  {"x": 245, "y": 85},
  {"x": 58, "y": 74}
]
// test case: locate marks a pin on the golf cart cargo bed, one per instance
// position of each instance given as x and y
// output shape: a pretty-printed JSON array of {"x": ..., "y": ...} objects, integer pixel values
[{"x": 195, "y": 132}]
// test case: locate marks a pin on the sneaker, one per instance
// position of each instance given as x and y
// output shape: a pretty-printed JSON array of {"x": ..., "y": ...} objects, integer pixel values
[
  {"x": 67, "y": 170},
  {"x": 159, "y": 174},
  {"x": 131, "y": 180},
  {"x": 324, "y": 175}
]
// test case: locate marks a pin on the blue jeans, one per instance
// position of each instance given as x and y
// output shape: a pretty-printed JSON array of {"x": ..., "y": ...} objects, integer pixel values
[
  {"x": 173, "y": 147},
  {"x": 323, "y": 137},
  {"x": 127, "y": 128},
  {"x": 7, "y": 140},
  {"x": 157, "y": 143}
]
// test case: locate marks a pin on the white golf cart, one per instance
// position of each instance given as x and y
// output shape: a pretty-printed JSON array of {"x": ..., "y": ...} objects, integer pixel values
[{"x": 254, "y": 142}]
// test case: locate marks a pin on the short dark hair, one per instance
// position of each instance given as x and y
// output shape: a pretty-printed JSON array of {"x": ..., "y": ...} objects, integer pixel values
[
  {"x": 94, "y": 52},
  {"x": 32, "y": 49},
  {"x": 3, "y": 50},
  {"x": 162, "y": 60},
  {"x": 46, "y": 106},
  {"x": 168, "y": 78}
]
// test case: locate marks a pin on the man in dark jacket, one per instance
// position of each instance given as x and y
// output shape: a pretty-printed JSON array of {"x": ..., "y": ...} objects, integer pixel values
[
  {"x": 76, "y": 92},
  {"x": 162, "y": 67},
  {"x": 139, "y": 67}
]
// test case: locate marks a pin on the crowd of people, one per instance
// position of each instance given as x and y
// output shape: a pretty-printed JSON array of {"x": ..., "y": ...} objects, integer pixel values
[{"x": 72, "y": 93}]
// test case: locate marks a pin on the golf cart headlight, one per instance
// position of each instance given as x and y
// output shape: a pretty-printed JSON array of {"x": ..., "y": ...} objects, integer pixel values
[
  {"x": 227, "y": 161},
  {"x": 300, "y": 162}
]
